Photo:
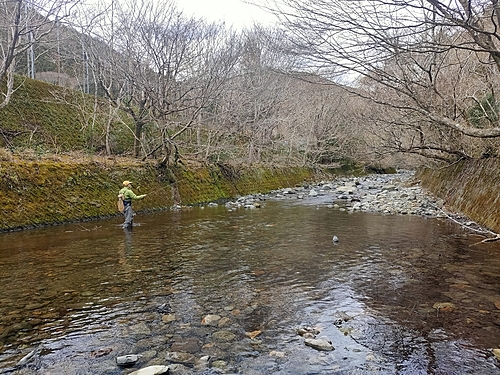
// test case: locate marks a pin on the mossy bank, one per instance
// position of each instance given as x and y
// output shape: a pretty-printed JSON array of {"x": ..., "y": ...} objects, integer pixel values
[
  {"x": 471, "y": 188},
  {"x": 45, "y": 192}
]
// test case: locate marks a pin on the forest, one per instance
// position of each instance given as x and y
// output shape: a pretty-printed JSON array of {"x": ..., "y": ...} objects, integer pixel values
[{"x": 402, "y": 83}]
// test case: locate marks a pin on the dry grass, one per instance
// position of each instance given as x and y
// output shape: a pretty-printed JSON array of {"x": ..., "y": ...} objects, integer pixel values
[{"x": 74, "y": 157}]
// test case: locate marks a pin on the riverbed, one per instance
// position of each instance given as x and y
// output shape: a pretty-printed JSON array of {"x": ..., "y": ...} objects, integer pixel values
[{"x": 230, "y": 288}]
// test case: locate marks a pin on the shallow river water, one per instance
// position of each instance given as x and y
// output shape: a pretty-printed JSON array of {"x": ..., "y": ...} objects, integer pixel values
[{"x": 74, "y": 297}]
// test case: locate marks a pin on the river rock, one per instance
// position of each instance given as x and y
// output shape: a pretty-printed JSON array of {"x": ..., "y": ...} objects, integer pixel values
[
  {"x": 15, "y": 328},
  {"x": 178, "y": 369},
  {"x": 444, "y": 306},
  {"x": 496, "y": 353},
  {"x": 343, "y": 317},
  {"x": 210, "y": 320},
  {"x": 347, "y": 189},
  {"x": 151, "y": 370},
  {"x": 168, "y": 318},
  {"x": 224, "y": 322},
  {"x": 127, "y": 360},
  {"x": 319, "y": 344},
  {"x": 277, "y": 354},
  {"x": 186, "y": 345},
  {"x": 179, "y": 357},
  {"x": 309, "y": 331},
  {"x": 220, "y": 364},
  {"x": 140, "y": 329},
  {"x": 202, "y": 362},
  {"x": 35, "y": 306},
  {"x": 223, "y": 336}
]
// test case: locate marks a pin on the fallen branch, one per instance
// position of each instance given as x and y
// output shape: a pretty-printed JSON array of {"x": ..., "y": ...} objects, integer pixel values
[
  {"x": 493, "y": 239},
  {"x": 482, "y": 231},
  {"x": 28, "y": 357}
]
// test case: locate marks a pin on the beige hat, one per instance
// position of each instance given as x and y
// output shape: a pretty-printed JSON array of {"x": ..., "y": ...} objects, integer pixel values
[{"x": 127, "y": 183}]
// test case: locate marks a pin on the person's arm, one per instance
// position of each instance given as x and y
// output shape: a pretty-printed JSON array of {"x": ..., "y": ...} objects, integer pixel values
[{"x": 129, "y": 194}]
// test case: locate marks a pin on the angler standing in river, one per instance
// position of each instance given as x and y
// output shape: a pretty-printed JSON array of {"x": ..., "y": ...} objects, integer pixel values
[{"x": 127, "y": 196}]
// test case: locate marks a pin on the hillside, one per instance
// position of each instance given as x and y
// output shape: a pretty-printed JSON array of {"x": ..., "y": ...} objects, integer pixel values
[{"x": 49, "y": 118}]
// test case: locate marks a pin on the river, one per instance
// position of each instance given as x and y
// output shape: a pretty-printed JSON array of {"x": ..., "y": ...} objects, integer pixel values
[{"x": 397, "y": 294}]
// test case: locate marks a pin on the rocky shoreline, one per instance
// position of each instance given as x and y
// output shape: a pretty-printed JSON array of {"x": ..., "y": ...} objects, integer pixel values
[
  {"x": 392, "y": 194},
  {"x": 389, "y": 194}
]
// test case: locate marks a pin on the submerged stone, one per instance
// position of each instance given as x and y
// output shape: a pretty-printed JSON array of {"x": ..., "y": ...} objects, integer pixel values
[
  {"x": 168, "y": 318},
  {"x": 181, "y": 357},
  {"x": 127, "y": 360},
  {"x": 223, "y": 336},
  {"x": 444, "y": 306},
  {"x": 210, "y": 319},
  {"x": 319, "y": 344}
]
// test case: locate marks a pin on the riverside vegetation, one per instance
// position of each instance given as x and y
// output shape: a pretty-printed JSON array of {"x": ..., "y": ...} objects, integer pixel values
[
  {"x": 50, "y": 172},
  {"x": 42, "y": 192}
]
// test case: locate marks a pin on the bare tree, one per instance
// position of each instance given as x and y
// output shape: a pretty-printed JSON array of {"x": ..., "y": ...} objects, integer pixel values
[
  {"x": 325, "y": 128},
  {"x": 269, "y": 111},
  {"x": 246, "y": 111},
  {"x": 435, "y": 63},
  {"x": 162, "y": 70},
  {"x": 23, "y": 23}
]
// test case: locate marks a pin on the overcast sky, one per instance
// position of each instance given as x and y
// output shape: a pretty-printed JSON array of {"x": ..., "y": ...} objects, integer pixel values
[{"x": 232, "y": 12}]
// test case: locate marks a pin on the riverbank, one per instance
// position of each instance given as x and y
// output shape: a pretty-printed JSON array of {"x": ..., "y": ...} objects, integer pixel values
[
  {"x": 57, "y": 190},
  {"x": 43, "y": 192},
  {"x": 470, "y": 187}
]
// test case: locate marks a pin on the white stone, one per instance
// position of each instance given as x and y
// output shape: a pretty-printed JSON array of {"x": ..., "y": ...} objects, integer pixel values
[{"x": 151, "y": 370}]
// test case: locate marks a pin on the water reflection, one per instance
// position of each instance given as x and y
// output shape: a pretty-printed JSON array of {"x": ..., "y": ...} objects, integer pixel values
[{"x": 86, "y": 293}]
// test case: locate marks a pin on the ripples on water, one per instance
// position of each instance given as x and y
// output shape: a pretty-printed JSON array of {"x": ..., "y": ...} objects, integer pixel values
[{"x": 85, "y": 293}]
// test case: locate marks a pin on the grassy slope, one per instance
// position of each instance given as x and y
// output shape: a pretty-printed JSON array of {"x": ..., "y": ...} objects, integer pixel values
[{"x": 45, "y": 117}]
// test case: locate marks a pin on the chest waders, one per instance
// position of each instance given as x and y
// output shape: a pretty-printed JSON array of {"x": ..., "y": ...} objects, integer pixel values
[{"x": 128, "y": 213}]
